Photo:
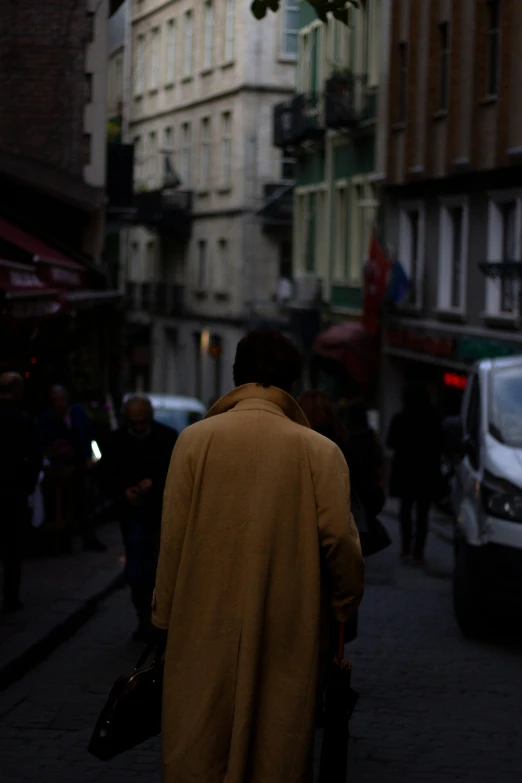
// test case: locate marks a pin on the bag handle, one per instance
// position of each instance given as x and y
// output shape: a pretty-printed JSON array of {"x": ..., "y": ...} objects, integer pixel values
[{"x": 157, "y": 647}]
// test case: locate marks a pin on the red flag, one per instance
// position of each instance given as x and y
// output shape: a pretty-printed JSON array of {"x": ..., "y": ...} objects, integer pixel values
[{"x": 375, "y": 284}]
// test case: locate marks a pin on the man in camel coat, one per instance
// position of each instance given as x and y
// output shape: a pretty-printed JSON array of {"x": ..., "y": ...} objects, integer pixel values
[{"x": 256, "y": 533}]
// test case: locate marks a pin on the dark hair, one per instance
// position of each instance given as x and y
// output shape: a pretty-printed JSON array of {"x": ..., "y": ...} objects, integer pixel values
[
  {"x": 268, "y": 359},
  {"x": 319, "y": 409}
]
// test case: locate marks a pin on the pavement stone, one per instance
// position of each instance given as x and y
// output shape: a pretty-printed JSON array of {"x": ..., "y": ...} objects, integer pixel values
[
  {"x": 433, "y": 707},
  {"x": 59, "y": 594}
]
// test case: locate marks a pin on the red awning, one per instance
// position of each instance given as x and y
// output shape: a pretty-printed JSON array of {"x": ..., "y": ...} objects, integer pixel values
[
  {"x": 35, "y": 247},
  {"x": 351, "y": 346}
]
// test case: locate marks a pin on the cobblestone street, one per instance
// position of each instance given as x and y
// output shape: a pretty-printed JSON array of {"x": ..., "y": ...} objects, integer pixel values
[{"x": 432, "y": 707}]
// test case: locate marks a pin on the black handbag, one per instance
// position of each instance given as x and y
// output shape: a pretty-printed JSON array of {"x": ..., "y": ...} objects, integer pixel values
[{"x": 133, "y": 711}]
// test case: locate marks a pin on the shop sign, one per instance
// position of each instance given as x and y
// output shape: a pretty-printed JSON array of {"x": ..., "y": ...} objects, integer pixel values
[
  {"x": 66, "y": 277},
  {"x": 471, "y": 349},
  {"x": 24, "y": 279},
  {"x": 422, "y": 342}
]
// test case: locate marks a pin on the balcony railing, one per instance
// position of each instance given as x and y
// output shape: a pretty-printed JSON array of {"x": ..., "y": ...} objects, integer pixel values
[
  {"x": 167, "y": 210},
  {"x": 298, "y": 120},
  {"x": 155, "y": 298},
  {"x": 348, "y": 102},
  {"x": 278, "y": 204}
]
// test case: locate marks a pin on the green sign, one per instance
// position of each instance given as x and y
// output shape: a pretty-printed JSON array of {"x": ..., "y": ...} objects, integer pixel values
[{"x": 471, "y": 349}]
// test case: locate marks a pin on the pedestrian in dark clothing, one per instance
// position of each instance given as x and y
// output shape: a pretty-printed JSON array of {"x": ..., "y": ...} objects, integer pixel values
[
  {"x": 360, "y": 449},
  {"x": 20, "y": 465},
  {"x": 132, "y": 471},
  {"x": 367, "y": 498},
  {"x": 415, "y": 437},
  {"x": 67, "y": 434}
]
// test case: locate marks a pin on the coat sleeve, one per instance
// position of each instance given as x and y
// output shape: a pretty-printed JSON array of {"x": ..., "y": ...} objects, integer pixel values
[
  {"x": 338, "y": 536},
  {"x": 176, "y": 509}
]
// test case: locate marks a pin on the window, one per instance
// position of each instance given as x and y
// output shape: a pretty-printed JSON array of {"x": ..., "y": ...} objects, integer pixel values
[
  {"x": 185, "y": 152},
  {"x": 310, "y": 236},
  {"x": 171, "y": 51},
  {"x": 188, "y": 45},
  {"x": 509, "y": 253},
  {"x": 411, "y": 233},
  {"x": 290, "y": 27},
  {"x": 504, "y": 239},
  {"x": 403, "y": 82},
  {"x": 341, "y": 234},
  {"x": 473, "y": 423},
  {"x": 155, "y": 60},
  {"x": 152, "y": 160},
  {"x": 168, "y": 139},
  {"x": 226, "y": 148},
  {"x": 230, "y": 24},
  {"x": 168, "y": 154},
  {"x": 363, "y": 211},
  {"x": 209, "y": 35},
  {"x": 309, "y": 69},
  {"x": 288, "y": 168},
  {"x": 339, "y": 44},
  {"x": 205, "y": 141},
  {"x": 444, "y": 43},
  {"x": 139, "y": 82},
  {"x": 202, "y": 265},
  {"x": 453, "y": 243},
  {"x": 493, "y": 47},
  {"x": 138, "y": 159},
  {"x": 374, "y": 41},
  {"x": 221, "y": 269}
]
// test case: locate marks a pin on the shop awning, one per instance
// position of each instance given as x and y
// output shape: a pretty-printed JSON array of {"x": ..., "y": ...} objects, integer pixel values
[
  {"x": 23, "y": 294},
  {"x": 352, "y": 347},
  {"x": 38, "y": 250}
]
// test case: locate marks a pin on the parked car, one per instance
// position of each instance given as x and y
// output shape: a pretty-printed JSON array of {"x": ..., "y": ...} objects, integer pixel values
[
  {"x": 175, "y": 412},
  {"x": 487, "y": 496}
]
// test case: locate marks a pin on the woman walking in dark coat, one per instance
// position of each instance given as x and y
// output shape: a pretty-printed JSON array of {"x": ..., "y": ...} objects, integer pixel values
[{"x": 415, "y": 437}]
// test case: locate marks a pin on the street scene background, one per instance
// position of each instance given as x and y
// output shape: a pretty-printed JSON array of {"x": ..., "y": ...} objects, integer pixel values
[{"x": 174, "y": 175}]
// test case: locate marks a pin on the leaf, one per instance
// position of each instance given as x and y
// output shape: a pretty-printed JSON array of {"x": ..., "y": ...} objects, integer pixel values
[{"x": 259, "y": 9}]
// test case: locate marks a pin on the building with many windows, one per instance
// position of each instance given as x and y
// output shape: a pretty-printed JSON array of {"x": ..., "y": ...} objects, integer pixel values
[
  {"x": 453, "y": 205},
  {"x": 212, "y": 234},
  {"x": 334, "y": 127}
]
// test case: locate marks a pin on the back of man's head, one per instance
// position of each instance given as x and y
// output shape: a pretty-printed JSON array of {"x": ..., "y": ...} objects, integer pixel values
[
  {"x": 11, "y": 386},
  {"x": 268, "y": 359}
]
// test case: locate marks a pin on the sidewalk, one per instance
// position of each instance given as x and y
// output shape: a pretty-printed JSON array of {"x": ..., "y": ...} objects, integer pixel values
[{"x": 59, "y": 594}]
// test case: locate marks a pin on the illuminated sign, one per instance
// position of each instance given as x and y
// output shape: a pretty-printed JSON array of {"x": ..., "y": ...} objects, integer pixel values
[{"x": 455, "y": 381}]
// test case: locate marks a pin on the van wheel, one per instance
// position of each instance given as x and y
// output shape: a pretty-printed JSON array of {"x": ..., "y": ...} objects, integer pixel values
[{"x": 467, "y": 605}]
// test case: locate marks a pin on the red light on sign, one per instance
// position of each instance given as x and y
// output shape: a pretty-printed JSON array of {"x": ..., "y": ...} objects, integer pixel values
[
  {"x": 27, "y": 374},
  {"x": 33, "y": 360},
  {"x": 455, "y": 380}
]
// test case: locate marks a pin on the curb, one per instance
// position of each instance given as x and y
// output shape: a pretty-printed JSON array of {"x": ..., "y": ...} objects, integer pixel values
[{"x": 56, "y": 626}]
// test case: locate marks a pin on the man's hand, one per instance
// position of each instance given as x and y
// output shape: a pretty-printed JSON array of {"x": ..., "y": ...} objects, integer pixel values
[
  {"x": 132, "y": 495},
  {"x": 145, "y": 485}
]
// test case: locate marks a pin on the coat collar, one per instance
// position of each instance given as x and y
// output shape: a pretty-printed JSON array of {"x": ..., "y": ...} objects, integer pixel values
[{"x": 252, "y": 396}]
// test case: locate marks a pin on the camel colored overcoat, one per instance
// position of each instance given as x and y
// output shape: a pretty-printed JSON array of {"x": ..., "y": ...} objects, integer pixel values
[{"x": 256, "y": 522}]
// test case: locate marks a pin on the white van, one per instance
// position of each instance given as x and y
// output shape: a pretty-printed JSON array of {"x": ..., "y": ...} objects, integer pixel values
[
  {"x": 173, "y": 411},
  {"x": 487, "y": 496}
]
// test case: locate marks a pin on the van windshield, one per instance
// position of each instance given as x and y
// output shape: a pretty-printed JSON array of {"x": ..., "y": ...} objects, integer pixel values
[
  {"x": 175, "y": 418},
  {"x": 505, "y": 415}
]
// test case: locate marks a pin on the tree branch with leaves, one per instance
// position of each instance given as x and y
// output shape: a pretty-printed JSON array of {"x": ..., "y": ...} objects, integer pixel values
[{"x": 338, "y": 8}]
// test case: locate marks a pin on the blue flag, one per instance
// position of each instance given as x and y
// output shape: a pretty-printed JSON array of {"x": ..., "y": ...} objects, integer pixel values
[{"x": 399, "y": 285}]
